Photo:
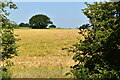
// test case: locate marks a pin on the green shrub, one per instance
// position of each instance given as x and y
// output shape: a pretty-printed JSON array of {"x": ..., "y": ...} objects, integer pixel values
[
  {"x": 9, "y": 48},
  {"x": 98, "y": 54}
]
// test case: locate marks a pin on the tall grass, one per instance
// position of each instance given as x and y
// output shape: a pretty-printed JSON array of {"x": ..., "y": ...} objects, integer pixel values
[{"x": 41, "y": 54}]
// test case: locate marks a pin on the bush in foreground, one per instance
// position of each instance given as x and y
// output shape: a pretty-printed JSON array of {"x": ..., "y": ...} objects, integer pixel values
[
  {"x": 98, "y": 54},
  {"x": 9, "y": 48}
]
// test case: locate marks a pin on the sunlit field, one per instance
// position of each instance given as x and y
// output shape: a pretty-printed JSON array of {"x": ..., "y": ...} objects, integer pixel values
[{"x": 40, "y": 53}]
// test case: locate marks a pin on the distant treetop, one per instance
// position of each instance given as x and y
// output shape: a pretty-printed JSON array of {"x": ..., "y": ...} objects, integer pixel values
[{"x": 39, "y": 21}]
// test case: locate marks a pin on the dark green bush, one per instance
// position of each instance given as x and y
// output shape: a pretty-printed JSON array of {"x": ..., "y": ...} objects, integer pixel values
[
  {"x": 98, "y": 54},
  {"x": 24, "y": 25},
  {"x": 52, "y": 26}
]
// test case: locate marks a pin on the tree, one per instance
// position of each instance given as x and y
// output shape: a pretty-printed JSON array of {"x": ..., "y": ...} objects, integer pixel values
[
  {"x": 52, "y": 26},
  {"x": 98, "y": 54},
  {"x": 9, "y": 48},
  {"x": 24, "y": 25},
  {"x": 39, "y": 21},
  {"x": 85, "y": 26}
]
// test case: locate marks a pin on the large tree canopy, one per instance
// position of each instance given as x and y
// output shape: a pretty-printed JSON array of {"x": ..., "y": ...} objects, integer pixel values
[{"x": 39, "y": 21}]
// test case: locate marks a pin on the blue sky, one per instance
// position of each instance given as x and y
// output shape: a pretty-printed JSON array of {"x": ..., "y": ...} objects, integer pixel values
[
  {"x": 62, "y": 14},
  {"x": 61, "y": 0}
]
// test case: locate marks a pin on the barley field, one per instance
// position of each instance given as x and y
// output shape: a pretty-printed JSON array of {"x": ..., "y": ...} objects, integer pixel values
[{"x": 40, "y": 53}]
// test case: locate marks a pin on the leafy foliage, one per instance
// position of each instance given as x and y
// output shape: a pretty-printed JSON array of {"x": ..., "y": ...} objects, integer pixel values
[
  {"x": 39, "y": 21},
  {"x": 9, "y": 48},
  {"x": 52, "y": 26},
  {"x": 14, "y": 25},
  {"x": 24, "y": 25},
  {"x": 98, "y": 54},
  {"x": 85, "y": 26}
]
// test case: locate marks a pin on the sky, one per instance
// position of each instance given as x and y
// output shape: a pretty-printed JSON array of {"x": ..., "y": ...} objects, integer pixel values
[
  {"x": 60, "y": 0},
  {"x": 62, "y": 14}
]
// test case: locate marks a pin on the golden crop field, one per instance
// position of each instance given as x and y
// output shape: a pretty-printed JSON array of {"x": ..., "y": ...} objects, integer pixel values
[{"x": 40, "y": 53}]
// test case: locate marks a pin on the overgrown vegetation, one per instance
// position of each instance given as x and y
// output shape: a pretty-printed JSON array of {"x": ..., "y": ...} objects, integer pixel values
[
  {"x": 98, "y": 54},
  {"x": 9, "y": 48}
]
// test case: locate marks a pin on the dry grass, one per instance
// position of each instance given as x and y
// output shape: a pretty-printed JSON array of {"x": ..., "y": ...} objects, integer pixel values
[{"x": 41, "y": 55}]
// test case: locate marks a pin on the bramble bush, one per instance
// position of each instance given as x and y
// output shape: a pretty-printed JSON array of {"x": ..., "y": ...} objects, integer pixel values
[{"x": 98, "y": 54}]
